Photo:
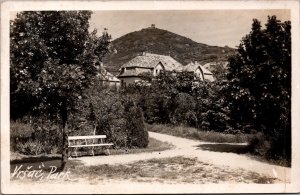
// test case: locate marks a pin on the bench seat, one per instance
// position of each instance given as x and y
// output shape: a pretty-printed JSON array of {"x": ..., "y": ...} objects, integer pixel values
[
  {"x": 91, "y": 145},
  {"x": 92, "y": 138}
]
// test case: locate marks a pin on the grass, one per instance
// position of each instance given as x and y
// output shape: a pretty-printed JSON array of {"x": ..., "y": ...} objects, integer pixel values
[
  {"x": 35, "y": 161},
  {"x": 19, "y": 129},
  {"x": 154, "y": 145},
  {"x": 167, "y": 170},
  {"x": 193, "y": 133}
]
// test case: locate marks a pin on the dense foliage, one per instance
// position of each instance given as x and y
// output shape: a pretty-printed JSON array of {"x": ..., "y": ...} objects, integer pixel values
[
  {"x": 42, "y": 136},
  {"x": 181, "y": 99},
  {"x": 106, "y": 111},
  {"x": 52, "y": 61},
  {"x": 260, "y": 84}
]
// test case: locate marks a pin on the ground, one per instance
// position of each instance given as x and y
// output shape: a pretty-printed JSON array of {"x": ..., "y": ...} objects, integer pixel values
[{"x": 189, "y": 162}]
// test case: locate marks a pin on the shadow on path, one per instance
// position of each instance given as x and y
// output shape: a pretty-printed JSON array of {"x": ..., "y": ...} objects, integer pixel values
[{"x": 229, "y": 148}]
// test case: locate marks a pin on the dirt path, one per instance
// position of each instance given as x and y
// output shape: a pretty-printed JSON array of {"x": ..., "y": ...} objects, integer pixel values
[{"x": 188, "y": 148}]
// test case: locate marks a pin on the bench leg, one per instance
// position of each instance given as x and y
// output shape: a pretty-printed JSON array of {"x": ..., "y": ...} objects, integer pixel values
[
  {"x": 107, "y": 149},
  {"x": 93, "y": 151},
  {"x": 69, "y": 153},
  {"x": 76, "y": 152}
]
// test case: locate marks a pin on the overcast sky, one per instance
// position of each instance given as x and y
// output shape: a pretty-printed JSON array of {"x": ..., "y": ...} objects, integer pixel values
[{"x": 212, "y": 27}]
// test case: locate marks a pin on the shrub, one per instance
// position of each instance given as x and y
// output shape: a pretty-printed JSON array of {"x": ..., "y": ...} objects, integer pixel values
[
  {"x": 113, "y": 114},
  {"x": 259, "y": 145},
  {"x": 193, "y": 133},
  {"x": 137, "y": 134},
  {"x": 184, "y": 110},
  {"x": 30, "y": 148},
  {"x": 42, "y": 136}
]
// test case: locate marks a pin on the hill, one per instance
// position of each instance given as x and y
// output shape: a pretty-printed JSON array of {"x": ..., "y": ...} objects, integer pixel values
[{"x": 162, "y": 42}]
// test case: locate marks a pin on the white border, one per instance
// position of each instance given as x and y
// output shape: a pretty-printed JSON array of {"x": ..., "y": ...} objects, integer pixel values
[{"x": 7, "y": 7}]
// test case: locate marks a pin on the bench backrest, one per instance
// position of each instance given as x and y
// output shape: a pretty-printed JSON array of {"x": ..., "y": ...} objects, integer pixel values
[{"x": 86, "y": 137}]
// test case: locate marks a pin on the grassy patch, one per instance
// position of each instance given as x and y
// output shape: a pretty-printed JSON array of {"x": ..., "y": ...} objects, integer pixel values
[
  {"x": 35, "y": 161},
  {"x": 193, "y": 133},
  {"x": 167, "y": 170},
  {"x": 153, "y": 145}
]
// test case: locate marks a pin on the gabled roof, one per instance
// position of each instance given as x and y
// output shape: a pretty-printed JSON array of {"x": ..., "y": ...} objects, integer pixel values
[
  {"x": 151, "y": 60},
  {"x": 192, "y": 67},
  {"x": 210, "y": 65}
]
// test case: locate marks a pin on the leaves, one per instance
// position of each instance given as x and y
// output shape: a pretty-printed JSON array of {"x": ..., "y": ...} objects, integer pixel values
[
  {"x": 260, "y": 79},
  {"x": 53, "y": 59}
]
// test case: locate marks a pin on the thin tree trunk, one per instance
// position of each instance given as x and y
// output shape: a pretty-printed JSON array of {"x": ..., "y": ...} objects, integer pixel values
[{"x": 64, "y": 117}]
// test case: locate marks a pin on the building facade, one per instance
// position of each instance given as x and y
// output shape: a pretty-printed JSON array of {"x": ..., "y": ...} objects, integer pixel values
[
  {"x": 153, "y": 64},
  {"x": 200, "y": 71},
  {"x": 107, "y": 78}
]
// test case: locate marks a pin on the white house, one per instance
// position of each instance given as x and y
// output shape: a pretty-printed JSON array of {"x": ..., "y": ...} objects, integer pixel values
[
  {"x": 200, "y": 71},
  {"x": 107, "y": 78},
  {"x": 146, "y": 63}
]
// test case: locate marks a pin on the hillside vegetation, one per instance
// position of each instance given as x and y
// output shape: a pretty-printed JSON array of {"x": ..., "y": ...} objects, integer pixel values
[{"x": 163, "y": 42}]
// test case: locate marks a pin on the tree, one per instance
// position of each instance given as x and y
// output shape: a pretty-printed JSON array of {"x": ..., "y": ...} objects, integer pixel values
[
  {"x": 260, "y": 82},
  {"x": 184, "y": 113},
  {"x": 52, "y": 62},
  {"x": 137, "y": 133}
]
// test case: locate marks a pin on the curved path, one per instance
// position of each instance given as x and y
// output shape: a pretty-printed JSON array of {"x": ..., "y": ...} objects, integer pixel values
[{"x": 188, "y": 148}]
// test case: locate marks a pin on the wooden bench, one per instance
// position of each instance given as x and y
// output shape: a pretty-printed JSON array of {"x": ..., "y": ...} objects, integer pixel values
[{"x": 88, "y": 141}]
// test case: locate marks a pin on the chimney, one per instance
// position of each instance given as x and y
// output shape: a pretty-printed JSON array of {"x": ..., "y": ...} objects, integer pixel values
[{"x": 152, "y": 26}]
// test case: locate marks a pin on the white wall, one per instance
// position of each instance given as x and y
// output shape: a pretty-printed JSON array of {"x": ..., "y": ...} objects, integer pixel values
[
  {"x": 158, "y": 69},
  {"x": 199, "y": 74},
  {"x": 209, "y": 77}
]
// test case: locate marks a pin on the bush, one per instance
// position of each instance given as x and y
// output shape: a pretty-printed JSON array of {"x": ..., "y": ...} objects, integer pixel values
[
  {"x": 20, "y": 129},
  {"x": 30, "y": 148},
  {"x": 280, "y": 147},
  {"x": 193, "y": 133},
  {"x": 42, "y": 136},
  {"x": 184, "y": 110},
  {"x": 180, "y": 99},
  {"x": 137, "y": 133},
  {"x": 113, "y": 114},
  {"x": 259, "y": 145}
]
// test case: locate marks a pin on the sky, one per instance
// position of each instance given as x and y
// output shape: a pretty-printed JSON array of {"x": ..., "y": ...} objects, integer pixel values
[{"x": 212, "y": 27}]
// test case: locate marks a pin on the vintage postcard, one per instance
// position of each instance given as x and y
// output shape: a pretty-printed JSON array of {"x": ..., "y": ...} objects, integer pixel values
[{"x": 130, "y": 97}]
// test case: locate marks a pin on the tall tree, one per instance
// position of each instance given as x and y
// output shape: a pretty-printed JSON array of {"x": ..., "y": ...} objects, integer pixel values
[
  {"x": 52, "y": 60},
  {"x": 260, "y": 82}
]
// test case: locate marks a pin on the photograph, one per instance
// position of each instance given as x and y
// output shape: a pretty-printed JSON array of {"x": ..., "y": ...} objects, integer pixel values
[{"x": 149, "y": 97}]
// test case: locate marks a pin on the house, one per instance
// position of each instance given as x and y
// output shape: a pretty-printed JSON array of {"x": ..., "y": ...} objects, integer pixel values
[
  {"x": 107, "y": 78},
  {"x": 200, "y": 71},
  {"x": 131, "y": 71}
]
